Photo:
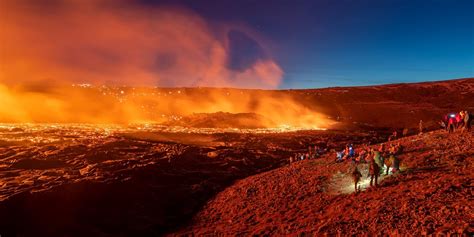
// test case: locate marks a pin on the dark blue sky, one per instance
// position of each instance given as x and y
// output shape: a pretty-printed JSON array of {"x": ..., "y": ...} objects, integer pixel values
[{"x": 357, "y": 42}]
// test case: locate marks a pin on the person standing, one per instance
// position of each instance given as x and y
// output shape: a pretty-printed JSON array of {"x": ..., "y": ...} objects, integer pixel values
[
  {"x": 451, "y": 124},
  {"x": 395, "y": 164},
  {"x": 356, "y": 175},
  {"x": 374, "y": 172},
  {"x": 420, "y": 127},
  {"x": 405, "y": 132},
  {"x": 467, "y": 121}
]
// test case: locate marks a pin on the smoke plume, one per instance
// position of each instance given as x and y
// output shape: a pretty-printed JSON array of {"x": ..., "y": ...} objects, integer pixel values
[{"x": 124, "y": 43}]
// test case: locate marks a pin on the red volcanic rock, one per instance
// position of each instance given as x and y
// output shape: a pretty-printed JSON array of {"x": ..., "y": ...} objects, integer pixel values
[
  {"x": 88, "y": 180},
  {"x": 432, "y": 194},
  {"x": 134, "y": 183}
]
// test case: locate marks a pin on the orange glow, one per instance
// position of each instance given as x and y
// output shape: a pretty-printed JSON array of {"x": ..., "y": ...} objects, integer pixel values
[
  {"x": 88, "y": 104},
  {"x": 45, "y": 50},
  {"x": 92, "y": 42}
]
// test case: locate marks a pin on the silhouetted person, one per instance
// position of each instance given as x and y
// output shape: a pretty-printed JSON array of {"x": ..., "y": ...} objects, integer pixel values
[
  {"x": 420, "y": 127},
  {"x": 379, "y": 156},
  {"x": 374, "y": 172},
  {"x": 442, "y": 124},
  {"x": 356, "y": 175},
  {"x": 451, "y": 124},
  {"x": 388, "y": 162},
  {"x": 395, "y": 164},
  {"x": 393, "y": 136},
  {"x": 467, "y": 121},
  {"x": 459, "y": 119},
  {"x": 461, "y": 122}
]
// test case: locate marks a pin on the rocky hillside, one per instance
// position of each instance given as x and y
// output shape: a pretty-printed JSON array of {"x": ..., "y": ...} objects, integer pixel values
[
  {"x": 432, "y": 194},
  {"x": 394, "y": 106}
]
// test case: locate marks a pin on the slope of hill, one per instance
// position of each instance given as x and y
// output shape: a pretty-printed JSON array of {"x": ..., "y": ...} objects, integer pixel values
[
  {"x": 432, "y": 194},
  {"x": 393, "y": 106}
]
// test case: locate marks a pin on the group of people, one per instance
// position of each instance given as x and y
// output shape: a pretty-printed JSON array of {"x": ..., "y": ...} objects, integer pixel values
[
  {"x": 312, "y": 153},
  {"x": 347, "y": 154},
  {"x": 383, "y": 160},
  {"x": 457, "y": 121},
  {"x": 380, "y": 161}
]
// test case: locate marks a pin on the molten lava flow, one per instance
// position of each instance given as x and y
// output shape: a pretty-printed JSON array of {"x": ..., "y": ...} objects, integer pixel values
[{"x": 89, "y": 104}]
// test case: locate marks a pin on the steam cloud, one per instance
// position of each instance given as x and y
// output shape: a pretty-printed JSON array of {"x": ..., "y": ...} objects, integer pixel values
[
  {"x": 124, "y": 43},
  {"x": 48, "y": 45}
]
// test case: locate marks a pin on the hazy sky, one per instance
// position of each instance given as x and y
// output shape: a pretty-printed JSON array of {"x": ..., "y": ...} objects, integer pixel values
[
  {"x": 282, "y": 43},
  {"x": 356, "y": 42}
]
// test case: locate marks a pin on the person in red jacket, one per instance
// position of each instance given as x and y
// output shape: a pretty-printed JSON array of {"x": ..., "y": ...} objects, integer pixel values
[{"x": 374, "y": 172}]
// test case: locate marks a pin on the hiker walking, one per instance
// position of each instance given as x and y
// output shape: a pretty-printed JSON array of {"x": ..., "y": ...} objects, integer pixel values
[
  {"x": 356, "y": 175},
  {"x": 374, "y": 172}
]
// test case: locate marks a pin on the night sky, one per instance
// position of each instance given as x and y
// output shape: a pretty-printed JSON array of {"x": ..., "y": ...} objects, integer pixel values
[
  {"x": 329, "y": 43},
  {"x": 300, "y": 44}
]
